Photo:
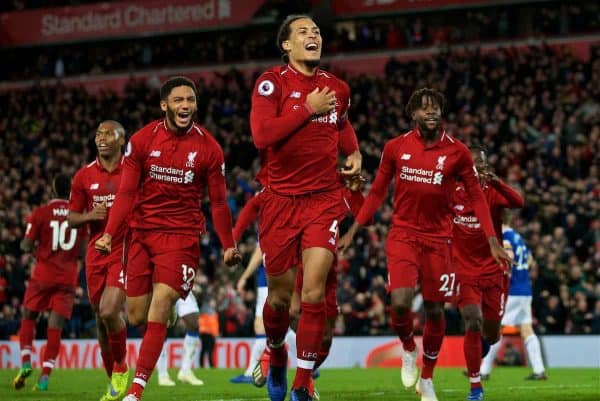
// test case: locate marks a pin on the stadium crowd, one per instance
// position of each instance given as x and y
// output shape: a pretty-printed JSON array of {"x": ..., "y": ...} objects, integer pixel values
[
  {"x": 256, "y": 42},
  {"x": 537, "y": 111}
]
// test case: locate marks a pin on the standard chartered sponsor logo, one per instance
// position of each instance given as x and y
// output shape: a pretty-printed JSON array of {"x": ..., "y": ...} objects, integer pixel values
[
  {"x": 421, "y": 175},
  {"x": 170, "y": 174},
  {"x": 467, "y": 221},
  {"x": 99, "y": 199}
]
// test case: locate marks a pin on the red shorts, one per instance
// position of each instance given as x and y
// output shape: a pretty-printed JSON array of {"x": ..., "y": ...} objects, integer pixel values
[
  {"x": 490, "y": 292},
  {"x": 42, "y": 296},
  {"x": 287, "y": 225},
  {"x": 99, "y": 277},
  {"x": 413, "y": 259},
  {"x": 157, "y": 257},
  {"x": 331, "y": 306}
]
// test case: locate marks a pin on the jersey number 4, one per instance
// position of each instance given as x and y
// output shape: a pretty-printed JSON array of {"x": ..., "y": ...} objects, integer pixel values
[{"x": 59, "y": 235}]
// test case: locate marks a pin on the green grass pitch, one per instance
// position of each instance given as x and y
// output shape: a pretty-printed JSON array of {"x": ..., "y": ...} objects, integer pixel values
[{"x": 506, "y": 384}]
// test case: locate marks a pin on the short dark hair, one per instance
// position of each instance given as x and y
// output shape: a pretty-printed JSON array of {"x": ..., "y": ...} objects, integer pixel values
[
  {"x": 478, "y": 148},
  {"x": 173, "y": 82},
  {"x": 284, "y": 32},
  {"x": 62, "y": 186},
  {"x": 416, "y": 99}
]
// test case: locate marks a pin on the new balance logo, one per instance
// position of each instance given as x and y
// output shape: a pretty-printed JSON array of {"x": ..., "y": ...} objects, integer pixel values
[
  {"x": 94, "y": 186},
  {"x": 405, "y": 156},
  {"x": 155, "y": 153},
  {"x": 295, "y": 95}
]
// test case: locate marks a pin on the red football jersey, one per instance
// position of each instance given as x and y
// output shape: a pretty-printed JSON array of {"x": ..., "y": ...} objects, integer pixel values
[
  {"x": 425, "y": 180},
  {"x": 471, "y": 249},
  {"x": 58, "y": 244},
  {"x": 166, "y": 174},
  {"x": 91, "y": 186},
  {"x": 299, "y": 151}
]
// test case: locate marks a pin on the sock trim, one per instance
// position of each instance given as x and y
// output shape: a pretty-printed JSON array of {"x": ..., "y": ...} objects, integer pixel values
[
  {"x": 304, "y": 364},
  {"x": 140, "y": 382}
]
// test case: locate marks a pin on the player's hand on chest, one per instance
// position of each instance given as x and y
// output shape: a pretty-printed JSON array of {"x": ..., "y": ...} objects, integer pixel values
[{"x": 324, "y": 100}]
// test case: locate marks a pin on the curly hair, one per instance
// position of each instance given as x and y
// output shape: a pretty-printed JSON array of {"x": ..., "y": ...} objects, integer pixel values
[{"x": 416, "y": 99}]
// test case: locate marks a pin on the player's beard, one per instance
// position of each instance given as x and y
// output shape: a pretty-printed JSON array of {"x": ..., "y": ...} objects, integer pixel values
[
  {"x": 314, "y": 63},
  {"x": 426, "y": 131},
  {"x": 173, "y": 122}
]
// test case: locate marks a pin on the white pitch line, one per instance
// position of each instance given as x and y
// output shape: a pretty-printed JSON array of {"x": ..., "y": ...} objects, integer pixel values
[{"x": 454, "y": 390}]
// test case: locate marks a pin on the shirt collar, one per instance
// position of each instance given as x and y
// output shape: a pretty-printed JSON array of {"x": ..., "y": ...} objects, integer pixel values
[
  {"x": 170, "y": 131},
  {"x": 439, "y": 142},
  {"x": 101, "y": 167}
]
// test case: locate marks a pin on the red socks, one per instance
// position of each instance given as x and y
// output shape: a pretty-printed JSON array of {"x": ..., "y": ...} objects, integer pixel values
[
  {"x": 26, "y": 334},
  {"x": 118, "y": 346},
  {"x": 150, "y": 349},
  {"x": 323, "y": 353},
  {"x": 433, "y": 336},
  {"x": 107, "y": 361},
  {"x": 51, "y": 351},
  {"x": 276, "y": 326},
  {"x": 309, "y": 336},
  {"x": 472, "y": 349},
  {"x": 403, "y": 325}
]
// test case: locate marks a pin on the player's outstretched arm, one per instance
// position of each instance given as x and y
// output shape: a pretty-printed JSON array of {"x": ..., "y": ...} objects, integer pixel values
[
  {"x": 246, "y": 217},
  {"x": 510, "y": 198},
  {"x": 221, "y": 214},
  {"x": 255, "y": 261},
  {"x": 124, "y": 199}
]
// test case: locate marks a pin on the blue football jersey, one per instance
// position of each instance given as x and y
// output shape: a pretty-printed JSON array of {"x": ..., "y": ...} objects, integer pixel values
[{"x": 520, "y": 283}]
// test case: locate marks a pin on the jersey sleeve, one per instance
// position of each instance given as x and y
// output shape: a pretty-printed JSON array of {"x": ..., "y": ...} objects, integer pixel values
[
  {"x": 133, "y": 165},
  {"x": 379, "y": 189},
  {"x": 466, "y": 171},
  {"x": 267, "y": 126},
  {"x": 348, "y": 143},
  {"x": 246, "y": 217},
  {"x": 32, "y": 231},
  {"x": 217, "y": 193},
  {"x": 505, "y": 196},
  {"x": 78, "y": 198}
]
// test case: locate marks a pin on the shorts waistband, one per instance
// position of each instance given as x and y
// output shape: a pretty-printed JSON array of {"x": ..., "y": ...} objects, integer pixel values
[{"x": 302, "y": 195}]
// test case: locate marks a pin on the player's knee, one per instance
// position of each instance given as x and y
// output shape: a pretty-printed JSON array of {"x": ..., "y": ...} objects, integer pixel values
[
  {"x": 473, "y": 322},
  {"x": 434, "y": 311},
  {"x": 279, "y": 301},
  {"x": 108, "y": 313},
  {"x": 400, "y": 309},
  {"x": 313, "y": 295},
  {"x": 401, "y": 302}
]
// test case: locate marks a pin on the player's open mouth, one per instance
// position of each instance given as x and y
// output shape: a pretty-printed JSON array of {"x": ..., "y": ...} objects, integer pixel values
[
  {"x": 312, "y": 47},
  {"x": 102, "y": 146},
  {"x": 431, "y": 120},
  {"x": 184, "y": 117}
]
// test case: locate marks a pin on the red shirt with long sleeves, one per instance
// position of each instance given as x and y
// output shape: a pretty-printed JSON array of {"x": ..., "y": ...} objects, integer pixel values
[
  {"x": 166, "y": 174},
  {"x": 299, "y": 150},
  {"x": 57, "y": 243},
  {"x": 425, "y": 180},
  {"x": 91, "y": 186},
  {"x": 471, "y": 249}
]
